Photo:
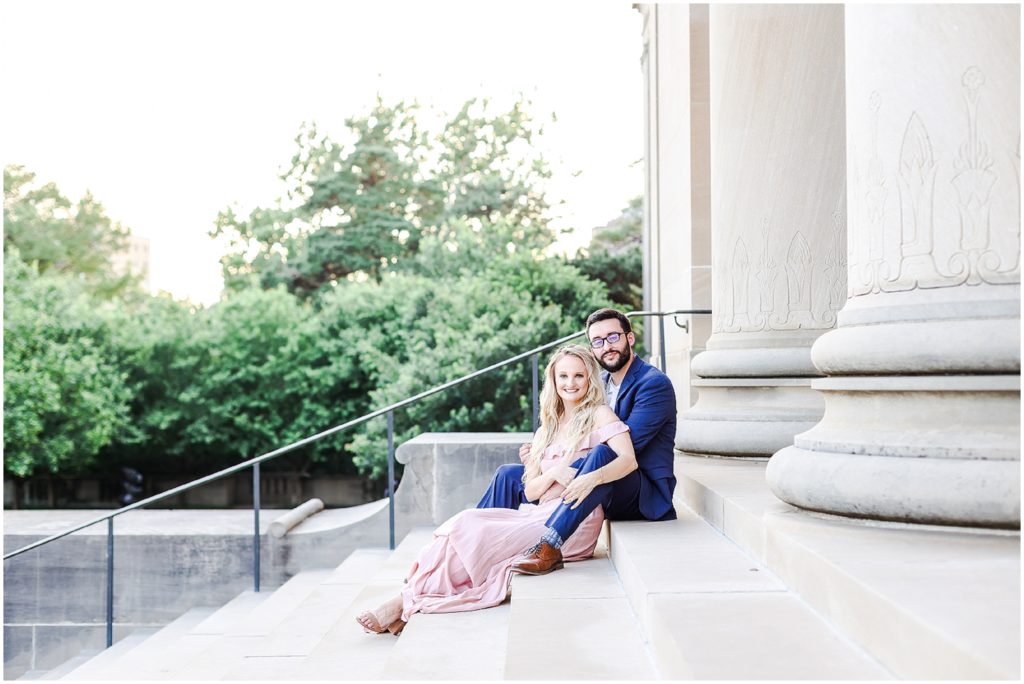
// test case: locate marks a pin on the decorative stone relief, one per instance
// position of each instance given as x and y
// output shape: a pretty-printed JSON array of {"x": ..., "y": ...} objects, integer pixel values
[
  {"x": 765, "y": 274},
  {"x": 835, "y": 270},
  {"x": 974, "y": 178},
  {"x": 812, "y": 296},
  {"x": 737, "y": 277},
  {"x": 917, "y": 207},
  {"x": 971, "y": 257},
  {"x": 798, "y": 272},
  {"x": 867, "y": 247}
]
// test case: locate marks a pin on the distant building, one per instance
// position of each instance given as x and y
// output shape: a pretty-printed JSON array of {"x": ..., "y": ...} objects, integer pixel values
[{"x": 133, "y": 259}]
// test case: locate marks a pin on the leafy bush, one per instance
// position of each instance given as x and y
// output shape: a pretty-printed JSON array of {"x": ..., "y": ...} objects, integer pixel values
[{"x": 64, "y": 398}]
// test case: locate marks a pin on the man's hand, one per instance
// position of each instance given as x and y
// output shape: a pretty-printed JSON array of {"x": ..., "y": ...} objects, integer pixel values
[
  {"x": 580, "y": 488},
  {"x": 524, "y": 453}
]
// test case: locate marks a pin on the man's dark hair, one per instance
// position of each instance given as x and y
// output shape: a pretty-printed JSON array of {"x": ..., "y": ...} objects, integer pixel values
[{"x": 605, "y": 314}]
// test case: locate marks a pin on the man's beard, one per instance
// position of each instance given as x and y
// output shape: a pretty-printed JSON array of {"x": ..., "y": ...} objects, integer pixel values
[{"x": 623, "y": 359}]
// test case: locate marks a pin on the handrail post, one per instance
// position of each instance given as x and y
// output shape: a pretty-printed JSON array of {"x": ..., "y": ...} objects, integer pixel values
[
  {"x": 533, "y": 397},
  {"x": 110, "y": 582},
  {"x": 256, "y": 528},
  {"x": 391, "y": 480},
  {"x": 661, "y": 346}
]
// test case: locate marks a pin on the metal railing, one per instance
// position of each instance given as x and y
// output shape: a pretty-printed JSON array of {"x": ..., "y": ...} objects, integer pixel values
[{"x": 254, "y": 463}]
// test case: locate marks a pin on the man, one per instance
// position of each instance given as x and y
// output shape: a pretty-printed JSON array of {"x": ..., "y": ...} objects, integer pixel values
[{"x": 643, "y": 398}]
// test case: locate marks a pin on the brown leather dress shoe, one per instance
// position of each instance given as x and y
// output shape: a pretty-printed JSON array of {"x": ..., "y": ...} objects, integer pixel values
[{"x": 542, "y": 561}]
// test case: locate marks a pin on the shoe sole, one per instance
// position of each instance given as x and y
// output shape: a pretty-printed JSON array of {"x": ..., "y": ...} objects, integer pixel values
[{"x": 556, "y": 566}]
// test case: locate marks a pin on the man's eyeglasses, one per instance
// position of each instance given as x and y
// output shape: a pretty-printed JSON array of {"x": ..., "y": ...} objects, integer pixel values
[{"x": 598, "y": 342}]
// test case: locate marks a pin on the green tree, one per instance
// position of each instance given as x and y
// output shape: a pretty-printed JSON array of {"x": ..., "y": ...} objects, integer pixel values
[
  {"x": 411, "y": 333},
  {"x": 365, "y": 209},
  {"x": 254, "y": 372},
  {"x": 50, "y": 231},
  {"x": 489, "y": 172},
  {"x": 64, "y": 399},
  {"x": 615, "y": 257}
]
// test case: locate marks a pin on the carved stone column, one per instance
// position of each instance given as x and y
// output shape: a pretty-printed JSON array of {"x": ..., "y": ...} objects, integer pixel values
[
  {"x": 778, "y": 224},
  {"x": 677, "y": 231},
  {"x": 922, "y": 418}
]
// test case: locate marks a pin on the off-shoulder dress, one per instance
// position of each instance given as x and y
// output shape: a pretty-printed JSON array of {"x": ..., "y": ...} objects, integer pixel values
[{"x": 468, "y": 565}]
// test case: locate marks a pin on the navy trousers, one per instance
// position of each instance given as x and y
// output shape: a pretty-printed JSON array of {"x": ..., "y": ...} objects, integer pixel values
[
  {"x": 506, "y": 489},
  {"x": 620, "y": 499}
]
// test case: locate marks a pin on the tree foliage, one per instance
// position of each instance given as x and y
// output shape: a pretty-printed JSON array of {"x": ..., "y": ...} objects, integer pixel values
[
  {"x": 365, "y": 208},
  {"x": 615, "y": 257},
  {"x": 64, "y": 399},
  {"x": 48, "y": 230},
  {"x": 413, "y": 333},
  {"x": 397, "y": 261}
]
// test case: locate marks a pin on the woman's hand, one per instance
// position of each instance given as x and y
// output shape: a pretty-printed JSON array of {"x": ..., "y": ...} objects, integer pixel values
[
  {"x": 580, "y": 488},
  {"x": 563, "y": 474}
]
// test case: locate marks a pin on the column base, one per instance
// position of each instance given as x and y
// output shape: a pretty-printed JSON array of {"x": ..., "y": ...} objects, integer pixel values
[
  {"x": 748, "y": 416},
  {"x": 942, "y": 450}
]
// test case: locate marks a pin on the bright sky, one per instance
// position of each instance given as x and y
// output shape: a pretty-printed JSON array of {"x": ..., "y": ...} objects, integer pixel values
[{"x": 171, "y": 111}]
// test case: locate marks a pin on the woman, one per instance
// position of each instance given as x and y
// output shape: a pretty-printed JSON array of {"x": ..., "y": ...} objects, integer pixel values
[{"x": 468, "y": 565}]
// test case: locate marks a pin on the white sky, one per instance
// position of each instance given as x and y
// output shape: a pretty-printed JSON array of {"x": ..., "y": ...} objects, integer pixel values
[{"x": 170, "y": 111}]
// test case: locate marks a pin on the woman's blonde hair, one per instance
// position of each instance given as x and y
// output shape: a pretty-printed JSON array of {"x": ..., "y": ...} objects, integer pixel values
[{"x": 552, "y": 409}]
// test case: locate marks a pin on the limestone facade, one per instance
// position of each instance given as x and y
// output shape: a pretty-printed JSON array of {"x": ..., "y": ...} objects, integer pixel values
[
  {"x": 865, "y": 231},
  {"x": 923, "y": 394}
]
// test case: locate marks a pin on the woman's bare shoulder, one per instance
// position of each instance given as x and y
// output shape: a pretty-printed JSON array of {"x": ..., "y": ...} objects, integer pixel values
[{"x": 604, "y": 416}]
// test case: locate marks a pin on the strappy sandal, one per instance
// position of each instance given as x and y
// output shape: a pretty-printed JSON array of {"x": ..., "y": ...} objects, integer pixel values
[{"x": 367, "y": 628}]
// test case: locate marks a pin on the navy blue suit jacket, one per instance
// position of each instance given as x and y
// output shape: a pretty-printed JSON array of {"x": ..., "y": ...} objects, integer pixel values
[{"x": 647, "y": 404}]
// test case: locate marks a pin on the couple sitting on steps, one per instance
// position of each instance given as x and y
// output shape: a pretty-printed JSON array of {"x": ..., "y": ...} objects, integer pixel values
[{"x": 603, "y": 450}]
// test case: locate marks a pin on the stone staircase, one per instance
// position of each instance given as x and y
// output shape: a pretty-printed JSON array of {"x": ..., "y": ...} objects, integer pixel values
[{"x": 675, "y": 600}]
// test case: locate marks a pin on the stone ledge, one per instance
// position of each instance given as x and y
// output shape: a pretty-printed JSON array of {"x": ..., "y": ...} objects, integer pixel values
[
  {"x": 710, "y": 611},
  {"x": 927, "y": 602}
]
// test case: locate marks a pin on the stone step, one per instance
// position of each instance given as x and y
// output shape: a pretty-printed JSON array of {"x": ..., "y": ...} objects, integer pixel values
[
  {"x": 926, "y": 602},
  {"x": 575, "y": 623},
  {"x": 192, "y": 644},
  {"x": 86, "y": 670},
  {"x": 360, "y": 567},
  {"x": 345, "y": 651},
  {"x": 452, "y": 646},
  {"x": 211, "y": 655},
  {"x": 277, "y": 637},
  {"x": 69, "y": 665},
  {"x": 129, "y": 663},
  {"x": 180, "y": 647},
  {"x": 228, "y": 614},
  {"x": 710, "y": 611},
  {"x": 64, "y": 668},
  {"x": 397, "y": 565}
]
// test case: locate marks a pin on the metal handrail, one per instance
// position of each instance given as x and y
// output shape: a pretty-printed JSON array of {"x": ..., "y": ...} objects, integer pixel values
[{"x": 254, "y": 463}]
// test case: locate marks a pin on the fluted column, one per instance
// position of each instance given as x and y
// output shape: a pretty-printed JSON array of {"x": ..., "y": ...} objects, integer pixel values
[
  {"x": 922, "y": 420},
  {"x": 778, "y": 224}
]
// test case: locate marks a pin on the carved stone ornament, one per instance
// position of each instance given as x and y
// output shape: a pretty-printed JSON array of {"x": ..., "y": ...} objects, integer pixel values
[{"x": 972, "y": 257}]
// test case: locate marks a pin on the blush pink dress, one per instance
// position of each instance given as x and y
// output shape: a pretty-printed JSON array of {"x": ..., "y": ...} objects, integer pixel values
[{"x": 468, "y": 565}]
